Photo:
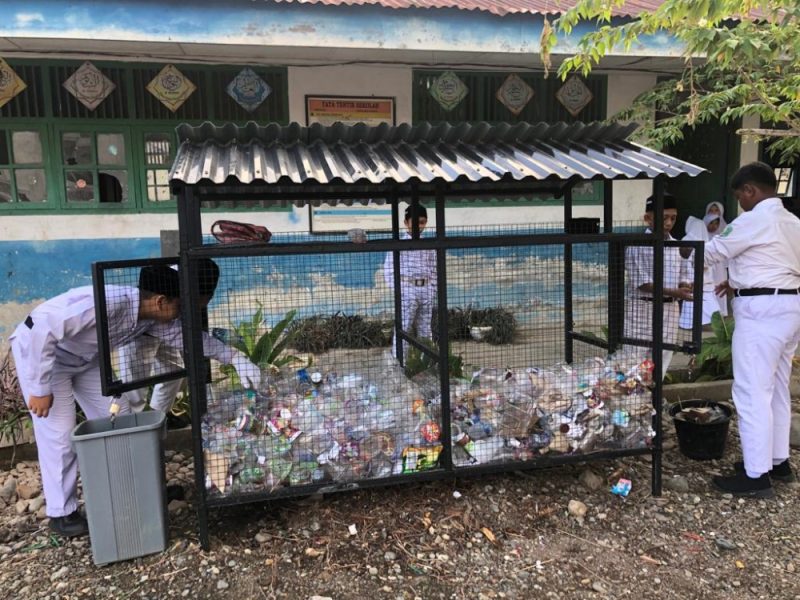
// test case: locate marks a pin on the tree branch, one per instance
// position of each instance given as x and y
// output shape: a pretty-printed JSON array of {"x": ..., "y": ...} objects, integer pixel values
[{"x": 783, "y": 133}]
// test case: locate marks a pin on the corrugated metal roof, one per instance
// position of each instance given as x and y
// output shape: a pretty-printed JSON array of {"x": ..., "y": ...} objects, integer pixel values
[
  {"x": 425, "y": 153},
  {"x": 497, "y": 7}
]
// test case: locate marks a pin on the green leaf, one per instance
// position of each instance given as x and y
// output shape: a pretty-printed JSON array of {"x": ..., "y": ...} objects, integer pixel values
[{"x": 735, "y": 67}]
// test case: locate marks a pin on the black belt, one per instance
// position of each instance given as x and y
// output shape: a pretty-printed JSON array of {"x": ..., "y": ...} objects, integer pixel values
[
  {"x": 664, "y": 299},
  {"x": 766, "y": 292}
]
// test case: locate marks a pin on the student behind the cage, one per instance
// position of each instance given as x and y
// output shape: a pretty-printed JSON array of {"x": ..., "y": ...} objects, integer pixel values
[
  {"x": 160, "y": 351},
  {"x": 639, "y": 284},
  {"x": 762, "y": 250},
  {"x": 417, "y": 282},
  {"x": 717, "y": 209},
  {"x": 704, "y": 230}
]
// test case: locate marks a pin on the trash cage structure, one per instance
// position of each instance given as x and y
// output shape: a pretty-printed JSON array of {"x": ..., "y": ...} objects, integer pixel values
[{"x": 419, "y": 350}]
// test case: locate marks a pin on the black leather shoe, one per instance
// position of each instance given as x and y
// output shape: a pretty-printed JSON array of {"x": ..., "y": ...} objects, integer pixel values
[
  {"x": 70, "y": 526},
  {"x": 782, "y": 472},
  {"x": 740, "y": 484}
]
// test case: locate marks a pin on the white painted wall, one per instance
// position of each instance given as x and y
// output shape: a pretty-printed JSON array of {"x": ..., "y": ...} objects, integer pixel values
[
  {"x": 145, "y": 225},
  {"x": 350, "y": 80},
  {"x": 749, "y": 148},
  {"x": 629, "y": 196},
  {"x": 749, "y": 151}
]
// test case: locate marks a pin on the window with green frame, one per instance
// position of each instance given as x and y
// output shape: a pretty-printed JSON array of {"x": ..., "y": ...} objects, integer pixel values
[
  {"x": 57, "y": 155},
  {"x": 158, "y": 154},
  {"x": 23, "y": 178},
  {"x": 95, "y": 166}
]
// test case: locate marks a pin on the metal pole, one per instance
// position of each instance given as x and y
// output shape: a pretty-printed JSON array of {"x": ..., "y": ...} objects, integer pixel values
[
  {"x": 446, "y": 458},
  {"x": 658, "y": 329},
  {"x": 101, "y": 312},
  {"x": 398, "y": 296},
  {"x": 697, "y": 304},
  {"x": 569, "y": 355},
  {"x": 191, "y": 235},
  {"x": 616, "y": 273}
]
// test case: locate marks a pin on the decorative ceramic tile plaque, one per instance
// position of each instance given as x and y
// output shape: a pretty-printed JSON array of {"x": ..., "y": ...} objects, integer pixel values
[
  {"x": 10, "y": 83},
  {"x": 248, "y": 89},
  {"x": 89, "y": 85},
  {"x": 574, "y": 95},
  {"x": 448, "y": 90},
  {"x": 514, "y": 94},
  {"x": 171, "y": 87}
]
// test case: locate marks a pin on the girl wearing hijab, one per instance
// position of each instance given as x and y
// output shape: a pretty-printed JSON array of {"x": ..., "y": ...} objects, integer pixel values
[
  {"x": 718, "y": 209},
  {"x": 705, "y": 229}
]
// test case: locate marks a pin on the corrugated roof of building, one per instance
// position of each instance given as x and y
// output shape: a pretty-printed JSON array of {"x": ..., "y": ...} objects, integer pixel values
[
  {"x": 497, "y": 7},
  {"x": 342, "y": 155}
]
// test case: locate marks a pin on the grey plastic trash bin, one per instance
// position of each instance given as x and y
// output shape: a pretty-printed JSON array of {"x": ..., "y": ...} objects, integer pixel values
[{"x": 122, "y": 471}]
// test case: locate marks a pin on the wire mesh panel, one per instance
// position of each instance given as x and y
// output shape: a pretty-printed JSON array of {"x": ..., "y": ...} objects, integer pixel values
[
  {"x": 682, "y": 277},
  {"x": 528, "y": 329},
  {"x": 332, "y": 405},
  {"x": 137, "y": 305},
  {"x": 515, "y": 398}
]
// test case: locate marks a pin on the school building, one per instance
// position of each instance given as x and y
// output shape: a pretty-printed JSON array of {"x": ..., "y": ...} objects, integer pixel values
[{"x": 91, "y": 93}]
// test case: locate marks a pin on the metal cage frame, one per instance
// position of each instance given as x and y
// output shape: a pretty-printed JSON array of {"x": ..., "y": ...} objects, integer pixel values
[{"x": 227, "y": 187}]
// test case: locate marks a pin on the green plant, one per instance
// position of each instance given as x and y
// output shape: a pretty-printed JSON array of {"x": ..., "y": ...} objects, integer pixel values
[
  {"x": 352, "y": 331},
  {"x": 459, "y": 321},
  {"x": 263, "y": 348},
  {"x": 319, "y": 333},
  {"x": 418, "y": 361},
  {"x": 14, "y": 416},
  {"x": 501, "y": 320},
  {"x": 182, "y": 406},
  {"x": 602, "y": 337},
  {"x": 741, "y": 59},
  {"x": 311, "y": 334},
  {"x": 715, "y": 359}
]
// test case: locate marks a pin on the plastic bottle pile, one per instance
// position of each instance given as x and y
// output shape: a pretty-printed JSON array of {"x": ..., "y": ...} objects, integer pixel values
[
  {"x": 604, "y": 404},
  {"x": 310, "y": 427}
]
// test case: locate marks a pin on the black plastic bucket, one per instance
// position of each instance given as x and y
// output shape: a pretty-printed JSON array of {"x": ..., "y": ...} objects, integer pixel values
[{"x": 701, "y": 441}]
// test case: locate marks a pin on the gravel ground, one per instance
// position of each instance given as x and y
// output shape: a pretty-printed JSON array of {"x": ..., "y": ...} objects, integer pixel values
[{"x": 555, "y": 533}]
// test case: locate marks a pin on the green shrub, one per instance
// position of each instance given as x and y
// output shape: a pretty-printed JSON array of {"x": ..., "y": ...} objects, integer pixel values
[
  {"x": 352, "y": 331},
  {"x": 459, "y": 320},
  {"x": 418, "y": 362},
  {"x": 14, "y": 415},
  {"x": 715, "y": 359},
  {"x": 311, "y": 334},
  {"x": 320, "y": 333}
]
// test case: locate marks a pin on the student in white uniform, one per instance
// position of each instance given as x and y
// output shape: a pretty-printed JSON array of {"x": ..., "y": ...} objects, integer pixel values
[
  {"x": 705, "y": 230},
  {"x": 417, "y": 282},
  {"x": 762, "y": 250},
  {"x": 639, "y": 284},
  {"x": 160, "y": 351},
  {"x": 717, "y": 209},
  {"x": 56, "y": 355}
]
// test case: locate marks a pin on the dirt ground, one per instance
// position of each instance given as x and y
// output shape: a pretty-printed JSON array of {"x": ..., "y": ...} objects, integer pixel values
[{"x": 517, "y": 535}]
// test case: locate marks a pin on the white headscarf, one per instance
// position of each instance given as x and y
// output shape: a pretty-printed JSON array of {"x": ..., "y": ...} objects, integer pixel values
[{"x": 722, "y": 223}]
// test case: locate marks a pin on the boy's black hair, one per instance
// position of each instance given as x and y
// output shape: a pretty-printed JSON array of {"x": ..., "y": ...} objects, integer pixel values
[
  {"x": 208, "y": 274},
  {"x": 759, "y": 173},
  {"x": 421, "y": 212},
  {"x": 160, "y": 280},
  {"x": 669, "y": 202}
]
